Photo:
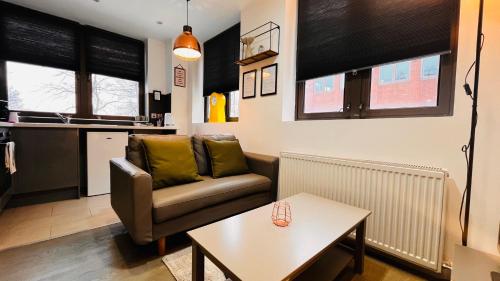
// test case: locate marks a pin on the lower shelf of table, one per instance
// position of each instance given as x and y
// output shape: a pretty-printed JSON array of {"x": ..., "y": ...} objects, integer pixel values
[{"x": 328, "y": 266}]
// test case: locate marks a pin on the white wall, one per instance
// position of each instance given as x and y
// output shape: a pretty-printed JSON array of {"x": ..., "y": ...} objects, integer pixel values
[
  {"x": 159, "y": 65},
  {"x": 265, "y": 122}
]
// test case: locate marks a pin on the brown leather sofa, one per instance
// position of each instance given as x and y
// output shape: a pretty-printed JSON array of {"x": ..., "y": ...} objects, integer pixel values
[{"x": 151, "y": 215}]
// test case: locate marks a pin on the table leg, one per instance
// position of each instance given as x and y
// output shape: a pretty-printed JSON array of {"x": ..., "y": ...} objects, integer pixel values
[
  {"x": 359, "y": 255},
  {"x": 198, "y": 263}
]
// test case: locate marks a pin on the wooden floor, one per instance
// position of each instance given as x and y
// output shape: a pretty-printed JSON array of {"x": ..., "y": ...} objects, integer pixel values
[{"x": 108, "y": 253}]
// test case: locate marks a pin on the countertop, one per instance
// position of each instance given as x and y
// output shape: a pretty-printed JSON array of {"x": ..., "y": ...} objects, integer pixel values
[{"x": 82, "y": 126}]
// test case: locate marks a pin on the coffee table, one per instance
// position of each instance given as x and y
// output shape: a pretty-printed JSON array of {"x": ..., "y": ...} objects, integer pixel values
[{"x": 249, "y": 246}]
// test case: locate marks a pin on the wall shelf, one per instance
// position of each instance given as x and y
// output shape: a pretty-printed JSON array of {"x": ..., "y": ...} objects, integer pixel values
[
  {"x": 259, "y": 44},
  {"x": 257, "y": 57}
]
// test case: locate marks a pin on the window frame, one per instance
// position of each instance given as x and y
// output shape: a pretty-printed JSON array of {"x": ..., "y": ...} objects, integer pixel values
[
  {"x": 88, "y": 101},
  {"x": 357, "y": 97}
]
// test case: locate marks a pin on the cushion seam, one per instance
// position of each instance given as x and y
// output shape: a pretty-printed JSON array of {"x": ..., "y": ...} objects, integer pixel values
[{"x": 225, "y": 192}]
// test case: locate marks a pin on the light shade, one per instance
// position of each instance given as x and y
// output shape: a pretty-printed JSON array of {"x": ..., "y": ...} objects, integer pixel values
[{"x": 186, "y": 46}]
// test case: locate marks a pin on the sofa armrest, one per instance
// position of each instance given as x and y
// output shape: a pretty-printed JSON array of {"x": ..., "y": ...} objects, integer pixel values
[
  {"x": 267, "y": 166},
  {"x": 132, "y": 199}
]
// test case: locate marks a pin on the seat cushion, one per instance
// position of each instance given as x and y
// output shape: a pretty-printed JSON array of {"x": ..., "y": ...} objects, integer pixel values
[{"x": 178, "y": 200}]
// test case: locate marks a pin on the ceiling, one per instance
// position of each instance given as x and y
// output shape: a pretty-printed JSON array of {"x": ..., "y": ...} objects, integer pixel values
[{"x": 138, "y": 18}]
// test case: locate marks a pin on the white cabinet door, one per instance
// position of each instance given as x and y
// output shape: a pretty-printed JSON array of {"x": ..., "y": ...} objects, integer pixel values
[{"x": 101, "y": 147}]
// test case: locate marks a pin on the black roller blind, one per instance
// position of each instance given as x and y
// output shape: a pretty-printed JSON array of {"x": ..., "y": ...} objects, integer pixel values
[
  {"x": 33, "y": 37},
  {"x": 220, "y": 72},
  {"x": 336, "y": 36},
  {"x": 114, "y": 55}
]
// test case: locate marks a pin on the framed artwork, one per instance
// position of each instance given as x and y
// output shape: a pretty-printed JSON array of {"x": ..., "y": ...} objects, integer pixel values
[
  {"x": 157, "y": 95},
  {"x": 249, "y": 84},
  {"x": 179, "y": 76},
  {"x": 268, "y": 80}
]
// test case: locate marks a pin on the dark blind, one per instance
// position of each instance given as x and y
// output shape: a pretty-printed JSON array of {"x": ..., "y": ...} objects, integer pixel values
[
  {"x": 336, "y": 36},
  {"x": 33, "y": 37},
  {"x": 113, "y": 54},
  {"x": 220, "y": 72}
]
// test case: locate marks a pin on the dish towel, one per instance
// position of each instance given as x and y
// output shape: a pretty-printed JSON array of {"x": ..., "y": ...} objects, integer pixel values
[{"x": 10, "y": 162}]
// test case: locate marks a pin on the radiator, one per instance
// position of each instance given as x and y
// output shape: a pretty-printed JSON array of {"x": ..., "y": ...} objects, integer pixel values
[{"x": 407, "y": 202}]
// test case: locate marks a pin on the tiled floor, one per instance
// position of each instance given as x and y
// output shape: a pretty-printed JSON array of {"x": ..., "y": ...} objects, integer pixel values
[{"x": 29, "y": 224}]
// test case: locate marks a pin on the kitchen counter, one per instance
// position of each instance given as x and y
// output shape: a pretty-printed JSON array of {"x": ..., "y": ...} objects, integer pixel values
[
  {"x": 82, "y": 126},
  {"x": 52, "y": 158}
]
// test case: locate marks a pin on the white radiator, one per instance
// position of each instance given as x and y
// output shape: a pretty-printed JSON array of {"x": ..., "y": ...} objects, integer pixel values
[{"x": 407, "y": 202}]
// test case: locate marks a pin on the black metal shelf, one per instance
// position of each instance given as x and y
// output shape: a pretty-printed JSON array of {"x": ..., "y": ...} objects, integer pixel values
[
  {"x": 258, "y": 57},
  {"x": 266, "y": 37}
]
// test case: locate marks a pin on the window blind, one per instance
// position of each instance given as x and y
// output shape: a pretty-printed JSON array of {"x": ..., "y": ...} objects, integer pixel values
[
  {"x": 114, "y": 55},
  {"x": 220, "y": 72},
  {"x": 33, "y": 37},
  {"x": 336, "y": 36}
]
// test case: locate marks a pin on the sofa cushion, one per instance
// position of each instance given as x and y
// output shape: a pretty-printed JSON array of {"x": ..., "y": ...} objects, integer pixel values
[
  {"x": 226, "y": 158},
  {"x": 175, "y": 201},
  {"x": 171, "y": 161},
  {"x": 200, "y": 153},
  {"x": 135, "y": 149}
]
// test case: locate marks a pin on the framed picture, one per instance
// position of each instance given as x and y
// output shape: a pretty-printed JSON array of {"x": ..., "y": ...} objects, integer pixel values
[
  {"x": 180, "y": 76},
  {"x": 249, "y": 84},
  {"x": 268, "y": 80},
  {"x": 157, "y": 95}
]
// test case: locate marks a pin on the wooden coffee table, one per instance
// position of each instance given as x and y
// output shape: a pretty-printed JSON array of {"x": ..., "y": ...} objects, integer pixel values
[{"x": 250, "y": 247}]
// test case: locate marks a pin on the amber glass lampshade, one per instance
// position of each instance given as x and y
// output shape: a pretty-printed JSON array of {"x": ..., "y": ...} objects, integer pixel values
[{"x": 186, "y": 46}]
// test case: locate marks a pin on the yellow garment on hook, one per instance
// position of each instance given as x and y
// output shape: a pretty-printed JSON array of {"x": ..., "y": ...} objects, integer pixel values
[{"x": 217, "y": 108}]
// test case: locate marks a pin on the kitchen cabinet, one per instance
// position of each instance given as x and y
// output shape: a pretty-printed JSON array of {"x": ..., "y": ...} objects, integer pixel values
[{"x": 47, "y": 159}]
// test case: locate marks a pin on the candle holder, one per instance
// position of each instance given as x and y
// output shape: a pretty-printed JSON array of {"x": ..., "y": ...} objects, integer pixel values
[{"x": 282, "y": 215}]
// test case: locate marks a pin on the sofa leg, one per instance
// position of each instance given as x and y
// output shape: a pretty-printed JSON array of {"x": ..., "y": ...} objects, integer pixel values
[{"x": 161, "y": 246}]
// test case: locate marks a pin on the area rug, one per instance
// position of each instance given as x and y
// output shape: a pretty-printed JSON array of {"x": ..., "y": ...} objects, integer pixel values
[{"x": 179, "y": 264}]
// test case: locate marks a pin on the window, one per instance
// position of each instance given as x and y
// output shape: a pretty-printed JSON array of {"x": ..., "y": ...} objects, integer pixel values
[
  {"x": 394, "y": 72},
  {"x": 40, "y": 88},
  {"x": 410, "y": 91},
  {"x": 430, "y": 67},
  {"x": 389, "y": 71},
  {"x": 408, "y": 88},
  {"x": 114, "y": 96},
  {"x": 41, "y": 67},
  {"x": 234, "y": 104},
  {"x": 325, "y": 97}
]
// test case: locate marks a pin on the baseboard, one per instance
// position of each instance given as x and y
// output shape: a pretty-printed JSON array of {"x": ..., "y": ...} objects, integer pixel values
[
  {"x": 39, "y": 197},
  {"x": 4, "y": 199},
  {"x": 403, "y": 264}
]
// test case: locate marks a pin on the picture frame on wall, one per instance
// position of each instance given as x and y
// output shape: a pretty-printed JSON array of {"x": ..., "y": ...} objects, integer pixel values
[
  {"x": 249, "y": 84},
  {"x": 268, "y": 80},
  {"x": 180, "y": 76}
]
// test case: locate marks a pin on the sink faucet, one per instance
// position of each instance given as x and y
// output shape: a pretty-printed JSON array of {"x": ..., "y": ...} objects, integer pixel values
[{"x": 65, "y": 120}]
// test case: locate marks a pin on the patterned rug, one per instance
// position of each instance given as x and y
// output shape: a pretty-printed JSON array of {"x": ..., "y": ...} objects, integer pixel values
[{"x": 179, "y": 264}]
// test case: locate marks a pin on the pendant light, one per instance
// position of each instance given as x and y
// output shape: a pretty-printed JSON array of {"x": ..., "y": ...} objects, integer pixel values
[{"x": 186, "y": 46}]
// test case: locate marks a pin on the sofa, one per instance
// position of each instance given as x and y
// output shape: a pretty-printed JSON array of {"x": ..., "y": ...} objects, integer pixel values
[{"x": 153, "y": 214}]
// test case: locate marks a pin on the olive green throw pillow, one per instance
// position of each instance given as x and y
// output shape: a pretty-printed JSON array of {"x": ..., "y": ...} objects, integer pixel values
[
  {"x": 226, "y": 157},
  {"x": 171, "y": 161}
]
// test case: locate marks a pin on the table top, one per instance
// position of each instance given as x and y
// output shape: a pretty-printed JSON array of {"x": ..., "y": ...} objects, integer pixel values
[
  {"x": 470, "y": 264},
  {"x": 253, "y": 248}
]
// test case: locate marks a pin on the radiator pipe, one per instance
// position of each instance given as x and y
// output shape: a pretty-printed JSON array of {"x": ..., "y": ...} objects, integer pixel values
[{"x": 468, "y": 187}]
